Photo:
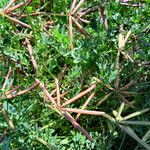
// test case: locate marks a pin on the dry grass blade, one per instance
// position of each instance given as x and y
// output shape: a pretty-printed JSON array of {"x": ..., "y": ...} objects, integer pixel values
[
  {"x": 12, "y": 95},
  {"x": 80, "y": 28},
  {"x": 77, "y": 6},
  {"x": 30, "y": 50},
  {"x": 86, "y": 112},
  {"x": 58, "y": 92},
  {"x": 76, "y": 125},
  {"x": 71, "y": 32},
  {"x": 6, "y": 79},
  {"x": 85, "y": 104},
  {"x": 46, "y": 92},
  {"x": 79, "y": 95}
]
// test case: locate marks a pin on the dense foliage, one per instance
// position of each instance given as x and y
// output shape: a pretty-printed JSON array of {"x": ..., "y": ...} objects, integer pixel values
[{"x": 83, "y": 55}]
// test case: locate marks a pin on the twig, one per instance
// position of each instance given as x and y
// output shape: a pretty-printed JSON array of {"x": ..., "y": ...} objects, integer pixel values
[
  {"x": 30, "y": 50},
  {"x": 79, "y": 95},
  {"x": 73, "y": 5},
  {"x": 46, "y": 92},
  {"x": 85, "y": 104},
  {"x": 58, "y": 92},
  {"x": 80, "y": 28},
  {"x": 15, "y": 7},
  {"x": 12, "y": 95},
  {"x": 76, "y": 125},
  {"x": 77, "y": 6},
  {"x": 71, "y": 32},
  {"x": 17, "y": 21},
  {"x": 9, "y": 5},
  {"x": 6, "y": 79},
  {"x": 86, "y": 112},
  {"x": 12, "y": 90},
  {"x": 8, "y": 120}
]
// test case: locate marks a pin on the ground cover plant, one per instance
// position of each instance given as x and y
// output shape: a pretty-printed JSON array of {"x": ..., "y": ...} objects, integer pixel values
[{"x": 74, "y": 74}]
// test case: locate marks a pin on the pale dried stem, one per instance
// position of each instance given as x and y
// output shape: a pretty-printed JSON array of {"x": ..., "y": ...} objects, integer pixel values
[
  {"x": 85, "y": 104},
  {"x": 58, "y": 92},
  {"x": 77, "y": 6},
  {"x": 30, "y": 50},
  {"x": 6, "y": 79},
  {"x": 79, "y": 95},
  {"x": 83, "y": 20},
  {"x": 73, "y": 5},
  {"x": 86, "y": 112},
  {"x": 71, "y": 32}
]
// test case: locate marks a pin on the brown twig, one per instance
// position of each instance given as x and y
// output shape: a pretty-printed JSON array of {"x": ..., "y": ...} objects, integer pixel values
[
  {"x": 12, "y": 95},
  {"x": 46, "y": 92},
  {"x": 86, "y": 112},
  {"x": 6, "y": 79},
  {"x": 17, "y": 21},
  {"x": 12, "y": 90},
  {"x": 7, "y": 118},
  {"x": 79, "y": 95},
  {"x": 76, "y": 125},
  {"x": 30, "y": 50},
  {"x": 9, "y": 5},
  {"x": 15, "y": 7}
]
